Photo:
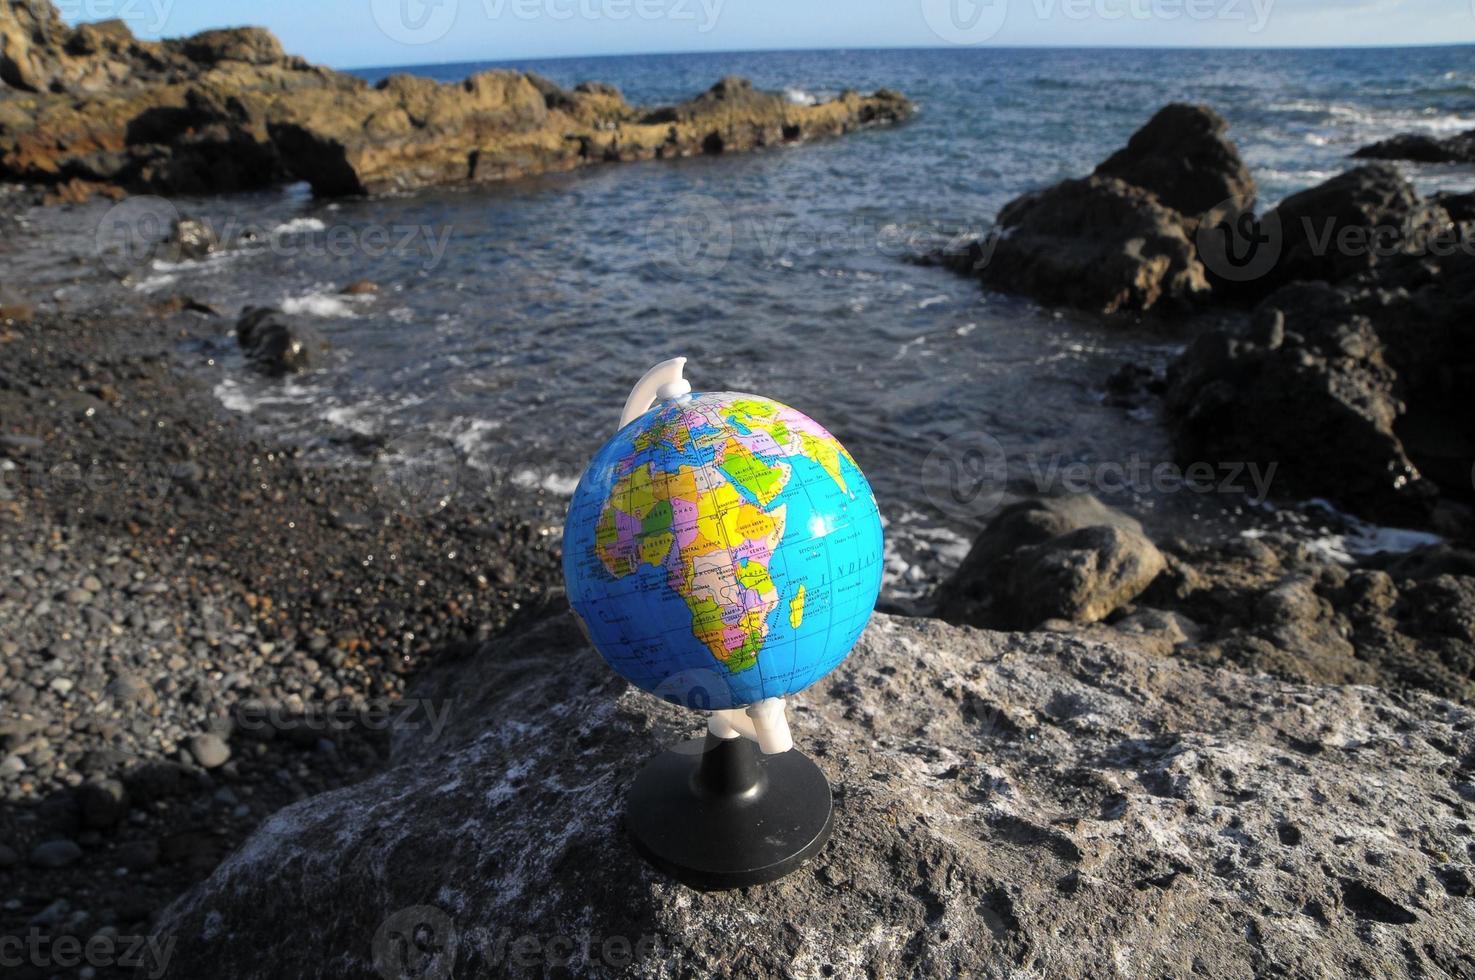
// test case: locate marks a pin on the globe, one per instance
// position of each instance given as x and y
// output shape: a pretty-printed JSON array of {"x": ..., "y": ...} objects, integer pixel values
[{"x": 722, "y": 549}]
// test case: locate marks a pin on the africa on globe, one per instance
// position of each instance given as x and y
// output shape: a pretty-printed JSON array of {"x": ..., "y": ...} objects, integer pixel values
[{"x": 723, "y": 549}]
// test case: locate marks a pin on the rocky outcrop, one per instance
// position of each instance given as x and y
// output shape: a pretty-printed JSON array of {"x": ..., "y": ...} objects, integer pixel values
[
  {"x": 1183, "y": 157},
  {"x": 1307, "y": 391},
  {"x": 227, "y": 110},
  {"x": 1421, "y": 148},
  {"x": 1276, "y": 605},
  {"x": 409, "y": 132},
  {"x": 1354, "y": 381},
  {"x": 1003, "y": 803},
  {"x": 1121, "y": 240},
  {"x": 1062, "y": 558},
  {"x": 1349, "y": 224}
]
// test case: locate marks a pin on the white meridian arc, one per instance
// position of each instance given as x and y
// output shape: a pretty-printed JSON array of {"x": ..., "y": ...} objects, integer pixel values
[{"x": 765, "y": 722}]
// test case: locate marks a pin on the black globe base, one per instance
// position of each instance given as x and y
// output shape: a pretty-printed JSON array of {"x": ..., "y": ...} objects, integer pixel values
[{"x": 716, "y": 813}]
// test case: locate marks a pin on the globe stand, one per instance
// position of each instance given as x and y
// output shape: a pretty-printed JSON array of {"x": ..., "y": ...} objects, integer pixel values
[{"x": 716, "y": 813}]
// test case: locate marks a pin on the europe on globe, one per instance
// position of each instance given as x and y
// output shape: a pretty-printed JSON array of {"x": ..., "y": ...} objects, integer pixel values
[{"x": 723, "y": 549}]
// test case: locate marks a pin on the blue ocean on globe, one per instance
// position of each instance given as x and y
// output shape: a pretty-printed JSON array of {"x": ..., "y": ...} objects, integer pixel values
[{"x": 722, "y": 549}]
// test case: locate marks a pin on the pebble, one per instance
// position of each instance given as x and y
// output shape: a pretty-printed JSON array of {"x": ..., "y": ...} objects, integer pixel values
[
  {"x": 209, "y": 750},
  {"x": 56, "y": 854},
  {"x": 8, "y": 857}
]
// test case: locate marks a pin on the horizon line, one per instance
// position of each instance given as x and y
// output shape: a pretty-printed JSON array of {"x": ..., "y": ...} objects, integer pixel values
[{"x": 913, "y": 47}]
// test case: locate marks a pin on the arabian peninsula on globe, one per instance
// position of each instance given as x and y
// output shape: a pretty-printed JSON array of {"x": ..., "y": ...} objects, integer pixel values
[{"x": 722, "y": 549}]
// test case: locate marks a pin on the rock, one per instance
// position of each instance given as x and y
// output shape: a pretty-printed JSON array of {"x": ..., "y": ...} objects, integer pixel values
[
  {"x": 271, "y": 345},
  {"x": 1181, "y": 155},
  {"x": 1122, "y": 240},
  {"x": 8, "y": 857},
  {"x": 411, "y": 132},
  {"x": 191, "y": 238},
  {"x": 1421, "y": 148},
  {"x": 1275, "y": 605},
  {"x": 1349, "y": 224},
  {"x": 227, "y": 110},
  {"x": 1083, "y": 576},
  {"x": 1070, "y": 558},
  {"x": 1003, "y": 803},
  {"x": 103, "y": 803},
  {"x": 209, "y": 750},
  {"x": 251, "y": 45},
  {"x": 54, "y": 854},
  {"x": 1308, "y": 392},
  {"x": 131, "y": 689},
  {"x": 362, "y": 287},
  {"x": 1097, "y": 243}
]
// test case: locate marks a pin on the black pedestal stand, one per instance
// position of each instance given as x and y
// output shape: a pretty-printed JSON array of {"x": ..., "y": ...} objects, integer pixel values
[{"x": 717, "y": 813}]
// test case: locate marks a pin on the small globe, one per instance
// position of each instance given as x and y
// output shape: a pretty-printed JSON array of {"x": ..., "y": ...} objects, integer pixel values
[{"x": 722, "y": 549}]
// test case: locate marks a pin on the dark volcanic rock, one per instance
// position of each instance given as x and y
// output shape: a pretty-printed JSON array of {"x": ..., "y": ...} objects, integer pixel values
[
  {"x": 1096, "y": 243},
  {"x": 1181, "y": 155},
  {"x": 271, "y": 345},
  {"x": 1349, "y": 224},
  {"x": 1070, "y": 558},
  {"x": 1421, "y": 148},
  {"x": 1122, "y": 240},
  {"x": 1003, "y": 803},
  {"x": 1307, "y": 391}
]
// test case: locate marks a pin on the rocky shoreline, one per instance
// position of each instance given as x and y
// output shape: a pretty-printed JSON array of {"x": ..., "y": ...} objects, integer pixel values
[
  {"x": 203, "y": 627},
  {"x": 1346, "y": 376},
  {"x": 95, "y": 110},
  {"x": 275, "y": 715}
]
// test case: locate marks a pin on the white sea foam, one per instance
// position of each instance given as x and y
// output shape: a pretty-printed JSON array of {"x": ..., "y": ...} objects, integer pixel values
[
  {"x": 1357, "y": 538},
  {"x": 319, "y": 304},
  {"x": 557, "y": 483},
  {"x": 299, "y": 226},
  {"x": 799, "y": 97}
]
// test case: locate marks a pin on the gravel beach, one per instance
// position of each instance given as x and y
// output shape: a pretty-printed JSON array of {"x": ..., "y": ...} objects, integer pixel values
[{"x": 201, "y": 627}]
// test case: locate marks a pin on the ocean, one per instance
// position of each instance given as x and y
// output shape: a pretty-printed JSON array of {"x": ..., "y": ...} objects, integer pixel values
[{"x": 513, "y": 319}]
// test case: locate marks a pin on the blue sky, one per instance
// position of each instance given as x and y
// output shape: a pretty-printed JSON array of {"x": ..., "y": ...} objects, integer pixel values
[{"x": 353, "y": 33}]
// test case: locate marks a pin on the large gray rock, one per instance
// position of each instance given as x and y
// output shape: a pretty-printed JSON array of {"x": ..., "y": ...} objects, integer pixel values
[
  {"x": 1006, "y": 805},
  {"x": 1070, "y": 558}
]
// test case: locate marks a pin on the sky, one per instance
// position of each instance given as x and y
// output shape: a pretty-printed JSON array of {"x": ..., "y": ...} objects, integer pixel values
[{"x": 364, "y": 33}]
